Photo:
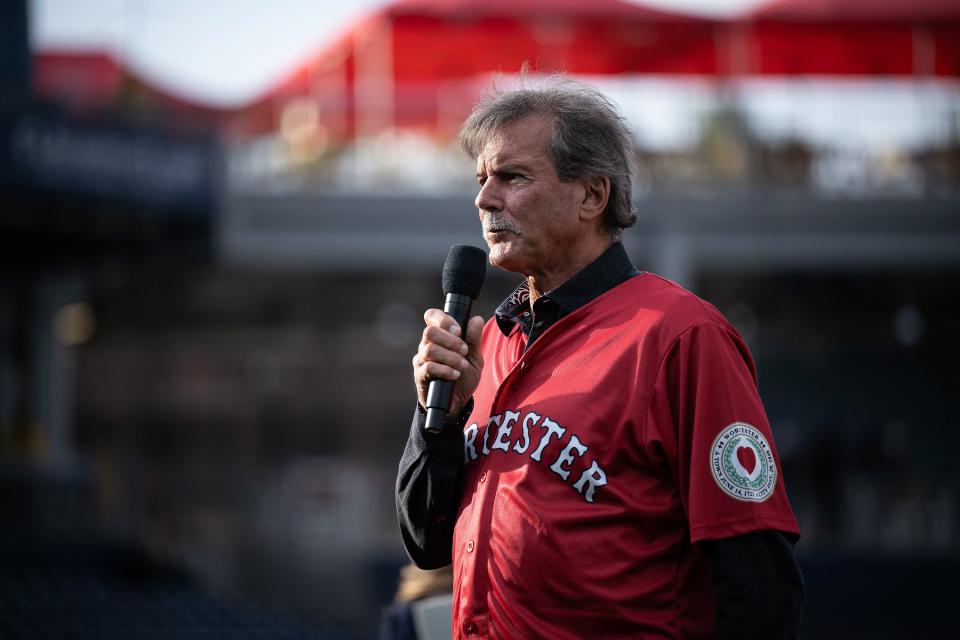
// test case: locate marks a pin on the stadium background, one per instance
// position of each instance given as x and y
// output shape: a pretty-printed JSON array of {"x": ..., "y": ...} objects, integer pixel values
[{"x": 207, "y": 311}]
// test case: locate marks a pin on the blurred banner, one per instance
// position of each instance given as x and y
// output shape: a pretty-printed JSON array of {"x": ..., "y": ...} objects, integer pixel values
[{"x": 48, "y": 154}]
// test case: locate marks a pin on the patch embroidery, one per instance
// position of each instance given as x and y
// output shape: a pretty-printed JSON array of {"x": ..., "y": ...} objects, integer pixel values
[{"x": 742, "y": 463}]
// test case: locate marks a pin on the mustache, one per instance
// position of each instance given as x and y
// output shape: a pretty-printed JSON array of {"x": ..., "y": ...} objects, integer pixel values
[{"x": 493, "y": 223}]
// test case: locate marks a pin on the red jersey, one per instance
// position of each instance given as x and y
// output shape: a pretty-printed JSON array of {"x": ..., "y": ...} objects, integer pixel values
[{"x": 631, "y": 429}]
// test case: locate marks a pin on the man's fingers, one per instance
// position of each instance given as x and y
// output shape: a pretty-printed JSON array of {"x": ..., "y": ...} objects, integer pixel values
[
  {"x": 443, "y": 338},
  {"x": 431, "y": 352},
  {"x": 437, "y": 318},
  {"x": 442, "y": 354},
  {"x": 437, "y": 371},
  {"x": 474, "y": 331}
]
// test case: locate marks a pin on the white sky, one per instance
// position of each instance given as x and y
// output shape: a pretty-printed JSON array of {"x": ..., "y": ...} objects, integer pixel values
[{"x": 225, "y": 52}]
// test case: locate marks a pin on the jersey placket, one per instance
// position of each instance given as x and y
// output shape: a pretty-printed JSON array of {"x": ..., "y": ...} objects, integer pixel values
[{"x": 474, "y": 550}]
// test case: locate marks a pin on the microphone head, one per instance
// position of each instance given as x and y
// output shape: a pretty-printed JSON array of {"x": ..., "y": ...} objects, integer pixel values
[{"x": 464, "y": 270}]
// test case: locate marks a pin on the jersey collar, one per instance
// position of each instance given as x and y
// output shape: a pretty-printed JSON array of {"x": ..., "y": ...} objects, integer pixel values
[{"x": 611, "y": 268}]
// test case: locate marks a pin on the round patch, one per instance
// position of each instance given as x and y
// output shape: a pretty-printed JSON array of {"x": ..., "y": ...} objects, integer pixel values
[{"x": 742, "y": 463}]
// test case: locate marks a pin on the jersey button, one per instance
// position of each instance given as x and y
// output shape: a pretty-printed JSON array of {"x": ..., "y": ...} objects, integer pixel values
[
  {"x": 470, "y": 546},
  {"x": 483, "y": 477},
  {"x": 469, "y": 627}
]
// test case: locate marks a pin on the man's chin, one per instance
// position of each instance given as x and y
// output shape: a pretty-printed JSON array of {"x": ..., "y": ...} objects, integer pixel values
[{"x": 502, "y": 257}]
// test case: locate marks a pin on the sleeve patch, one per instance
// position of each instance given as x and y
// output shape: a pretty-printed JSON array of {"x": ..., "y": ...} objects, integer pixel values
[{"x": 742, "y": 463}]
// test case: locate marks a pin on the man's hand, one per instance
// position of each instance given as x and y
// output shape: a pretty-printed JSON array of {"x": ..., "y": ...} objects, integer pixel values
[{"x": 444, "y": 355}]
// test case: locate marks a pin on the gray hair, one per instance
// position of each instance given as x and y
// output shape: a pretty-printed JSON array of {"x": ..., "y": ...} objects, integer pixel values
[{"x": 590, "y": 138}]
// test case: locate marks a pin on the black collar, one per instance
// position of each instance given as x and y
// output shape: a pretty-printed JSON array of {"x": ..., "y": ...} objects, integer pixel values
[{"x": 612, "y": 268}]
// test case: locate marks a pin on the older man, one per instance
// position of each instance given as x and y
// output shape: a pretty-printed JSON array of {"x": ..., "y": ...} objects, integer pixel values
[{"x": 608, "y": 470}]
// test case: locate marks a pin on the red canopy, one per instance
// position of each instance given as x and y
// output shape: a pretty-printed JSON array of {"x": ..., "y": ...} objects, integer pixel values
[
  {"x": 853, "y": 37},
  {"x": 461, "y": 9},
  {"x": 420, "y": 63},
  {"x": 858, "y": 10},
  {"x": 81, "y": 79},
  {"x": 435, "y": 39},
  {"x": 86, "y": 81}
]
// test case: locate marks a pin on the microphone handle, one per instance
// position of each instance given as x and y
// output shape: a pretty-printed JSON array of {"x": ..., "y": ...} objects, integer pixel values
[{"x": 440, "y": 392}]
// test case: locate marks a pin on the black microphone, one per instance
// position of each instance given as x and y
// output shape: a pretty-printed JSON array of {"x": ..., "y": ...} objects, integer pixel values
[{"x": 463, "y": 275}]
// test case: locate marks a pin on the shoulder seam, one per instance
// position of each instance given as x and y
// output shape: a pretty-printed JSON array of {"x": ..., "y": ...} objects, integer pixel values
[
  {"x": 700, "y": 301},
  {"x": 662, "y": 358}
]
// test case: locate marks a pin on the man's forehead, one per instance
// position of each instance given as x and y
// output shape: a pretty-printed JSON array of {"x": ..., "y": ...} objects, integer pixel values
[{"x": 521, "y": 140}]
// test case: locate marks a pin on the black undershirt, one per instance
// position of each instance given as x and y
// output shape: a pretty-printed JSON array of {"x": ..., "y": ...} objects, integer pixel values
[
  {"x": 757, "y": 582},
  {"x": 612, "y": 268}
]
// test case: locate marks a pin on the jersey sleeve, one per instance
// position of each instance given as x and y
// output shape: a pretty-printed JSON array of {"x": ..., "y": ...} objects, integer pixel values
[{"x": 707, "y": 416}]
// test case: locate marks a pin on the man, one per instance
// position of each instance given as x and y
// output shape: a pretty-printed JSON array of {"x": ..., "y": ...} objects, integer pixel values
[{"x": 608, "y": 470}]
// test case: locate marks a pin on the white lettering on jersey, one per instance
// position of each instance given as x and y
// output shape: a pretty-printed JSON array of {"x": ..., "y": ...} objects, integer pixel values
[
  {"x": 469, "y": 435},
  {"x": 591, "y": 478},
  {"x": 573, "y": 448},
  {"x": 566, "y": 457},
  {"x": 504, "y": 432},
  {"x": 553, "y": 429},
  {"x": 529, "y": 420},
  {"x": 486, "y": 432}
]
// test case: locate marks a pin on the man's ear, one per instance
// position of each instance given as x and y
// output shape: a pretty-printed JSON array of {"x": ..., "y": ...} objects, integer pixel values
[{"x": 596, "y": 192}]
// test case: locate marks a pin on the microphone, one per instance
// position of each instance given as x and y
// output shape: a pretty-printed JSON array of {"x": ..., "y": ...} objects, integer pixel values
[{"x": 463, "y": 275}]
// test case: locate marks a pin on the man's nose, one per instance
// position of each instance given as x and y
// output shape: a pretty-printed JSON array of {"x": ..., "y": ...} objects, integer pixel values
[{"x": 488, "y": 199}]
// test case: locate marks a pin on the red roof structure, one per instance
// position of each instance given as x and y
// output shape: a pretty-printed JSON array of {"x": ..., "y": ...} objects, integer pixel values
[
  {"x": 457, "y": 38},
  {"x": 859, "y": 10},
  {"x": 96, "y": 81},
  {"x": 421, "y": 63},
  {"x": 84, "y": 80},
  {"x": 853, "y": 37}
]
